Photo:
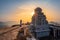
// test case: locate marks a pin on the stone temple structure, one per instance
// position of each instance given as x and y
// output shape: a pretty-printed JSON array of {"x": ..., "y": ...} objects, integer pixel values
[
  {"x": 39, "y": 18},
  {"x": 40, "y": 25}
]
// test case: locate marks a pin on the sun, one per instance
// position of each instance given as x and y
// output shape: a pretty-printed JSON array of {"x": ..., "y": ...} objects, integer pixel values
[{"x": 32, "y": 13}]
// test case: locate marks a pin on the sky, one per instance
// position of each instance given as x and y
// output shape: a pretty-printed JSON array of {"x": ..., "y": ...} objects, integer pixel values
[{"x": 14, "y": 10}]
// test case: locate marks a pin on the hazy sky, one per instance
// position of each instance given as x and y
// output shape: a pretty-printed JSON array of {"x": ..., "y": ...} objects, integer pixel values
[{"x": 14, "y": 10}]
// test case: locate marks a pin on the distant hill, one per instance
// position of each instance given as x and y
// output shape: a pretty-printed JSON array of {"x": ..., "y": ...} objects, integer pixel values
[
  {"x": 2, "y": 24},
  {"x": 7, "y": 24}
]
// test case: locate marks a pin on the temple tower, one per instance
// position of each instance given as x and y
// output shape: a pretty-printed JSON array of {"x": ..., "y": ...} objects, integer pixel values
[
  {"x": 39, "y": 18},
  {"x": 40, "y": 25}
]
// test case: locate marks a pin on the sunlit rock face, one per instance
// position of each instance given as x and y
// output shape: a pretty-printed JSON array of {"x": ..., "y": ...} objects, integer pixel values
[{"x": 40, "y": 23}]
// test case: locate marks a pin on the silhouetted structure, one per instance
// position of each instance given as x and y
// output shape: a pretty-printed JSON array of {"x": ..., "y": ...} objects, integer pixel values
[
  {"x": 20, "y": 22},
  {"x": 39, "y": 18},
  {"x": 40, "y": 25}
]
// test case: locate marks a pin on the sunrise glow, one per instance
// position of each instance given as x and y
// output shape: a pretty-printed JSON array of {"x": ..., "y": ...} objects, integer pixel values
[
  {"x": 16, "y": 10},
  {"x": 32, "y": 13}
]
